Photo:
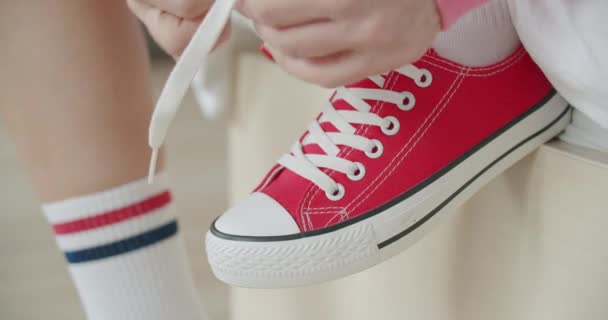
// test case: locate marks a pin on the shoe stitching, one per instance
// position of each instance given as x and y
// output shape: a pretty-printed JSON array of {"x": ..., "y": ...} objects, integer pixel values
[
  {"x": 481, "y": 74},
  {"x": 392, "y": 82},
  {"x": 426, "y": 125},
  {"x": 470, "y": 72},
  {"x": 326, "y": 208},
  {"x": 464, "y": 72},
  {"x": 516, "y": 55},
  {"x": 269, "y": 177},
  {"x": 443, "y": 101},
  {"x": 393, "y": 166},
  {"x": 342, "y": 214},
  {"x": 313, "y": 190}
]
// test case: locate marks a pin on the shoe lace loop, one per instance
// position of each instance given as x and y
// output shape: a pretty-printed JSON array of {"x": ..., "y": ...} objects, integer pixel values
[
  {"x": 203, "y": 41},
  {"x": 309, "y": 166}
]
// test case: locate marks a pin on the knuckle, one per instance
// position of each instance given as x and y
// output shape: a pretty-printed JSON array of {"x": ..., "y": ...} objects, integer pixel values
[
  {"x": 173, "y": 47},
  {"x": 298, "y": 70},
  {"x": 140, "y": 10},
  {"x": 263, "y": 14},
  {"x": 368, "y": 31},
  {"x": 327, "y": 84},
  {"x": 329, "y": 81},
  {"x": 132, "y": 6},
  {"x": 189, "y": 8},
  {"x": 342, "y": 7},
  {"x": 377, "y": 31},
  {"x": 281, "y": 43},
  {"x": 172, "y": 44},
  {"x": 417, "y": 54},
  {"x": 309, "y": 72},
  {"x": 407, "y": 54},
  {"x": 289, "y": 49},
  {"x": 316, "y": 76}
]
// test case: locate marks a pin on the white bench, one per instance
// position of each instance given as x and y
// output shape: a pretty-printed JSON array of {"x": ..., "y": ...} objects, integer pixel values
[{"x": 532, "y": 245}]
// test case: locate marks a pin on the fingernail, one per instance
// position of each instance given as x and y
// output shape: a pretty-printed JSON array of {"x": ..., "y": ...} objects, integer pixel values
[{"x": 267, "y": 53}]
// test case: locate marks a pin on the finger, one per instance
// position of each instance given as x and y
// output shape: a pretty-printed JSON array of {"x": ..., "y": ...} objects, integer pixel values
[
  {"x": 311, "y": 40},
  {"x": 340, "y": 69},
  {"x": 140, "y": 9},
  {"x": 170, "y": 32},
  {"x": 284, "y": 14},
  {"x": 189, "y": 9}
]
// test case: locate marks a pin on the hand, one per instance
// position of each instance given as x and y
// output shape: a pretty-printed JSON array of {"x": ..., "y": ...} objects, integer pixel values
[
  {"x": 172, "y": 23},
  {"x": 335, "y": 42}
]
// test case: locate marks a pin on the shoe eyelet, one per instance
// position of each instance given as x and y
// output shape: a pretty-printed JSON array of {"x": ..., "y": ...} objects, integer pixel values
[
  {"x": 376, "y": 151},
  {"x": 336, "y": 194},
  {"x": 357, "y": 174},
  {"x": 392, "y": 127},
  {"x": 408, "y": 101},
  {"x": 425, "y": 78}
]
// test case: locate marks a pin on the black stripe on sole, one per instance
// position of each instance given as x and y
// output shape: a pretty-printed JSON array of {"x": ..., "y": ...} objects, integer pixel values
[{"x": 468, "y": 183}]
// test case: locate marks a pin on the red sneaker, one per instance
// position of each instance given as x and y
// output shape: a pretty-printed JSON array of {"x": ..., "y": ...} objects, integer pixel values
[{"x": 385, "y": 161}]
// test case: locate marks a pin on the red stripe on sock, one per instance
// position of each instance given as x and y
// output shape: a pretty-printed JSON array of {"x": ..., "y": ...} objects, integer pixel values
[{"x": 106, "y": 218}]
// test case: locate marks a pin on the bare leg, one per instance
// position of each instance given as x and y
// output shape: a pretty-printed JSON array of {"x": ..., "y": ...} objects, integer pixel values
[
  {"x": 76, "y": 99},
  {"x": 75, "y": 94}
]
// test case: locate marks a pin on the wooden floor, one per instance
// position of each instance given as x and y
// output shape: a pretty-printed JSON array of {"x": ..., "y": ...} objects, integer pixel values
[{"x": 34, "y": 283}]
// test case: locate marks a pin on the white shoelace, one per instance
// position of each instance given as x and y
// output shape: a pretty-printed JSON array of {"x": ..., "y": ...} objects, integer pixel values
[
  {"x": 309, "y": 166},
  {"x": 182, "y": 74}
]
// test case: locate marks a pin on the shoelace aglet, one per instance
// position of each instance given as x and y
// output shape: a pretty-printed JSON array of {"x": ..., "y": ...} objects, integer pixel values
[{"x": 152, "y": 167}]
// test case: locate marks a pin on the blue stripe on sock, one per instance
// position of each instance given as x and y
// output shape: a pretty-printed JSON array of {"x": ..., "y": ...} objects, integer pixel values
[{"x": 123, "y": 246}]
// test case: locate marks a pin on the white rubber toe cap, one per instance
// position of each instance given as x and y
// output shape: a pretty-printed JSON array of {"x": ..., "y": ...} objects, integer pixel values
[{"x": 257, "y": 216}]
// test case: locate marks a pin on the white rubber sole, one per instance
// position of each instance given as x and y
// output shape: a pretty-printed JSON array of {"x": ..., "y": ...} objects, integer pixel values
[{"x": 358, "y": 246}]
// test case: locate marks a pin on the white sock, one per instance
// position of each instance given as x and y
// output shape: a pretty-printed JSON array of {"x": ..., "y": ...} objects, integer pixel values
[
  {"x": 125, "y": 255},
  {"x": 482, "y": 37}
]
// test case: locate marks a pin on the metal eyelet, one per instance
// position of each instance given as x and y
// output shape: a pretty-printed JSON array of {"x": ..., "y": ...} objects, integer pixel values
[
  {"x": 392, "y": 126},
  {"x": 376, "y": 151},
  {"x": 358, "y": 173},
  {"x": 425, "y": 79},
  {"x": 408, "y": 101},
  {"x": 336, "y": 194}
]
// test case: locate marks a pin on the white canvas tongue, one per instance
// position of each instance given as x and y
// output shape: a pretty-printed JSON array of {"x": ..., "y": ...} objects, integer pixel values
[{"x": 181, "y": 76}]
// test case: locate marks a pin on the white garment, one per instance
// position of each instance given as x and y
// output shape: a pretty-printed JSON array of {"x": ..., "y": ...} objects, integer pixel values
[{"x": 569, "y": 41}]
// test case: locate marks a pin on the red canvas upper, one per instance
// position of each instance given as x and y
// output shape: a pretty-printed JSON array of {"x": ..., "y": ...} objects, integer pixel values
[{"x": 460, "y": 108}]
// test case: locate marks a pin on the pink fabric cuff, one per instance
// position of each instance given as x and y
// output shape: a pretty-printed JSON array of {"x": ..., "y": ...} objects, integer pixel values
[{"x": 451, "y": 10}]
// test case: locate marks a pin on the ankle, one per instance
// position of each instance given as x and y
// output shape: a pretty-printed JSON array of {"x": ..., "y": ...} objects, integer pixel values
[{"x": 482, "y": 37}]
